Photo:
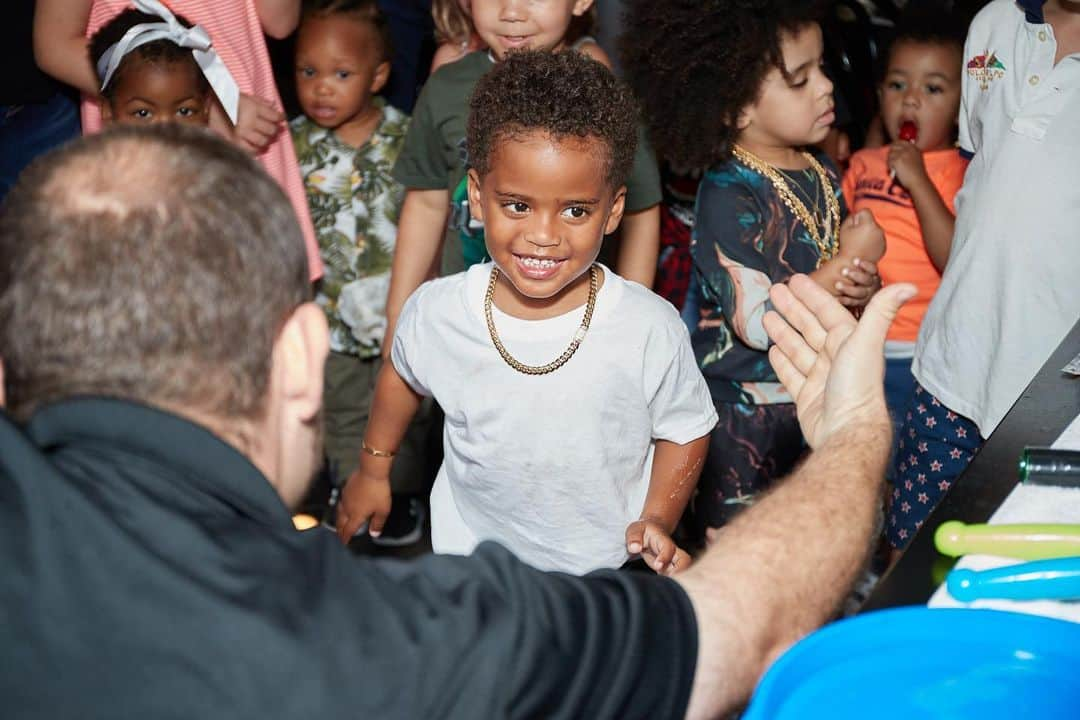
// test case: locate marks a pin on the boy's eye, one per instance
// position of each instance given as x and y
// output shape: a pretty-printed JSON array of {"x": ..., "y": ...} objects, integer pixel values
[
  {"x": 307, "y": 72},
  {"x": 799, "y": 83},
  {"x": 142, "y": 114},
  {"x": 935, "y": 89},
  {"x": 895, "y": 85},
  {"x": 185, "y": 112},
  {"x": 576, "y": 212},
  {"x": 517, "y": 207},
  {"x": 343, "y": 74}
]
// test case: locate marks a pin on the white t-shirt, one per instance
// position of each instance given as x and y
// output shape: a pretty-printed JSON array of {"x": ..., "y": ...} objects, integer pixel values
[
  {"x": 1011, "y": 289},
  {"x": 552, "y": 466}
]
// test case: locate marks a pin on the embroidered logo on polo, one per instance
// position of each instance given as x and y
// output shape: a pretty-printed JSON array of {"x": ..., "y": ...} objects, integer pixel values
[{"x": 985, "y": 68}]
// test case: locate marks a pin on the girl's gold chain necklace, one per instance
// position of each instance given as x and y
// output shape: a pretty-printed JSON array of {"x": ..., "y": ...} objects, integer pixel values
[
  {"x": 825, "y": 234},
  {"x": 579, "y": 335}
]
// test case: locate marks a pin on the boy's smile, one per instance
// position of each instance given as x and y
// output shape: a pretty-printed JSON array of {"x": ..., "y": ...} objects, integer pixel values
[{"x": 546, "y": 207}]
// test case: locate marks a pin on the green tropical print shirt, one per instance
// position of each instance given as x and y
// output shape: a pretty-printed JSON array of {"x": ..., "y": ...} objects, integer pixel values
[{"x": 355, "y": 205}]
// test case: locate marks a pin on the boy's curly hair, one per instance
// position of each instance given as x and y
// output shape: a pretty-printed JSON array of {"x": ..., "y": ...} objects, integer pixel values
[
  {"x": 696, "y": 64},
  {"x": 361, "y": 10},
  {"x": 164, "y": 52},
  {"x": 565, "y": 94}
]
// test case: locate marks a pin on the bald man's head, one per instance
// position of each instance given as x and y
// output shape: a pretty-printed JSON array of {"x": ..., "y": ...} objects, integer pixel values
[{"x": 153, "y": 264}]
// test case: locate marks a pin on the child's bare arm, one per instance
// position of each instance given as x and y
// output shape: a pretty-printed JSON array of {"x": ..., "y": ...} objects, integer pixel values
[
  {"x": 60, "y": 44},
  {"x": 935, "y": 219},
  {"x": 420, "y": 234},
  {"x": 366, "y": 497},
  {"x": 640, "y": 246},
  {"x": 278, "y": 17},
  {"x": 675, "y": 473}
]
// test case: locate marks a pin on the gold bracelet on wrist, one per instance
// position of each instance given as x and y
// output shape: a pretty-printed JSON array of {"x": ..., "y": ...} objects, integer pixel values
[{"x": 376, "y": 453}]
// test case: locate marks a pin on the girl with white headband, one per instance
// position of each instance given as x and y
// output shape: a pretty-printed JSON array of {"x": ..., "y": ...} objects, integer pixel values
[
  {"x": 158, "y": 68},
  {"x": 61, "y": 32}
]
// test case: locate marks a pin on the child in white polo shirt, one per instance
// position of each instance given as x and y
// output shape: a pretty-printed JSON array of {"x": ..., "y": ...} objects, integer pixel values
[
  {"x": 577, "y": 420},
  {"x": 1010, "y": 290}
]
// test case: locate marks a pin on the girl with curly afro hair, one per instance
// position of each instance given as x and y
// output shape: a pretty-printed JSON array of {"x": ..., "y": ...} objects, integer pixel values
[{"x": 736, "y": 89}]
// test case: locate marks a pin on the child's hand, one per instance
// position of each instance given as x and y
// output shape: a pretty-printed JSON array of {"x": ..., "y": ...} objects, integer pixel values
[
  {"x": 257, "y": 123},
  {"x": 365, "y": 499},
  {"x": 861, "y": 237},
  {"x": 656, "y": 547},
  {"x": 906, "y": 162}
]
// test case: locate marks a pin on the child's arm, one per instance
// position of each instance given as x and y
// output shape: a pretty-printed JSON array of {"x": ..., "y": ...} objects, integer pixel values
[
  {"x": 366, "y": 496},
  {"x": 639, "y": 249},
  {"x": 935, "y": 219},
  {"x": 675, "y": 472},
  {"x": 278, "y": 17},
  {"x": 258, "y": 122},
  {"x": 852, "y": 274},
  {"x": 420, "y": 235},
  {"x": 60, "y": 44}
]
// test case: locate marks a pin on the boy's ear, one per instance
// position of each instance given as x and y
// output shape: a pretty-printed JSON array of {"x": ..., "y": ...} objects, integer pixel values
[
  {"x": 106, "y": 111},
  {"x": 618, "y": 207},
  {"x": 581, "y": 7},
  {"x": 476, "y": 208},
  {"x": 382, "y": 74}
]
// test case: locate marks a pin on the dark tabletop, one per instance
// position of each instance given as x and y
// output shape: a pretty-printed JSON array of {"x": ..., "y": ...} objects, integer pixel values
[{"x": 1043, "y": 410}]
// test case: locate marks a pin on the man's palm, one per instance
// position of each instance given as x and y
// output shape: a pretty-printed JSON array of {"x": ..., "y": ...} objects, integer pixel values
[{"x": 832, "y": 365}]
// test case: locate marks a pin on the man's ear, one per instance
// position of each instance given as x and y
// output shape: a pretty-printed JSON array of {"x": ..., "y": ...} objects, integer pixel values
[
  {"x": 299, "y": 359},
  {"x": 382, "y": 74},
  {"x": 581, "y": 7},
  {"x": 618, "y": 207},
  {"x": 476, "y": 208}
]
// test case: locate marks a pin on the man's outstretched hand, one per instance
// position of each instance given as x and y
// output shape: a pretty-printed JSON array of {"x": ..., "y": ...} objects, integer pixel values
[{"x": 832, "y": 365}]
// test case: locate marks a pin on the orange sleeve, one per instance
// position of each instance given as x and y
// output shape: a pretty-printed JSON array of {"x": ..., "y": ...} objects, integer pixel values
[{"x": 847, "y": 185}]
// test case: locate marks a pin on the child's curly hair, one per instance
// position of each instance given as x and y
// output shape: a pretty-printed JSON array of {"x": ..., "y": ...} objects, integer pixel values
[
  {"x": 696, "y": 64},
  {"x": 565, "y": 94},
  {"x": 164, "y": 52}
]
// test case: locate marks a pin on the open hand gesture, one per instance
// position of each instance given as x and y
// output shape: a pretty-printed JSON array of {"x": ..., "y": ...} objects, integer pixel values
[{"x": 832, "y": 365}]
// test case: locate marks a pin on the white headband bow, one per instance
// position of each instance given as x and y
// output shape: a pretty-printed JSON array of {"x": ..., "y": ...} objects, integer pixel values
[{"x": 213, "y": 68}]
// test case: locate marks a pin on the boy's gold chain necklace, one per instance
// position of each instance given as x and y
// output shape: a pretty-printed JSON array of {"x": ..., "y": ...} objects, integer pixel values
[
  {"x": 579, "y": 335},
  {"x": 826, "y": 234}
]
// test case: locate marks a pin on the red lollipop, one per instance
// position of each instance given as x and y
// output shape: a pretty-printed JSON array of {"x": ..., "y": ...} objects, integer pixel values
[{"x": 909, "y": 131}]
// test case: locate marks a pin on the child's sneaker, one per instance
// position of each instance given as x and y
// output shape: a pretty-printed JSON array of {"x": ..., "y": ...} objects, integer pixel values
[{"x": 405, "y": 523}]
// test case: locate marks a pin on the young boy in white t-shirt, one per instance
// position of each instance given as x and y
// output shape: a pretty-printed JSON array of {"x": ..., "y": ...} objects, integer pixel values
[{"x": 576, "y": 417}]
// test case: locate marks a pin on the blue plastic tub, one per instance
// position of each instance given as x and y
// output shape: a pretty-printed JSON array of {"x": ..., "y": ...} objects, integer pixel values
[{"x": 922, "y": 663}]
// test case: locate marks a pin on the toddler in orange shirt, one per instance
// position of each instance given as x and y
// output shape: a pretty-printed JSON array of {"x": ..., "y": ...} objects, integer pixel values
[{"x": 909, "y": 185}]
